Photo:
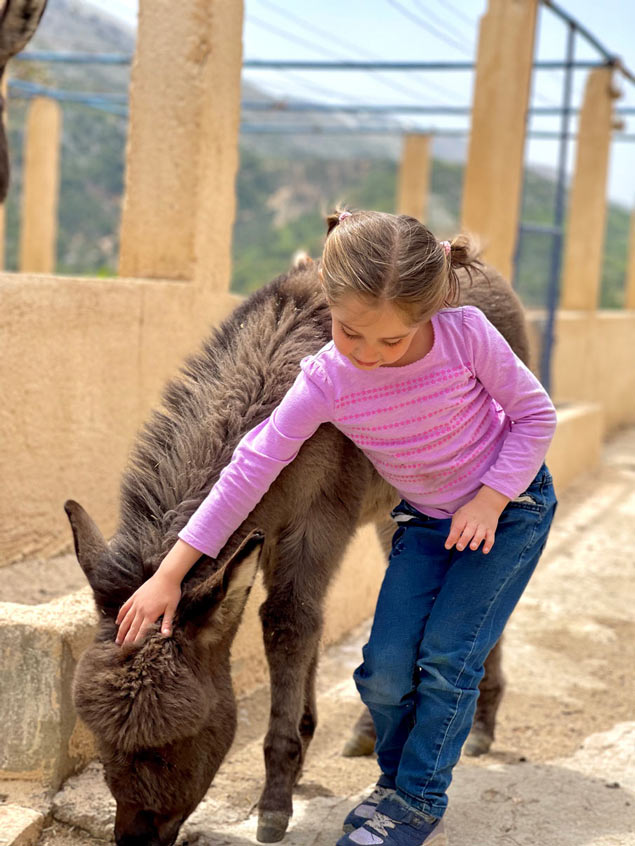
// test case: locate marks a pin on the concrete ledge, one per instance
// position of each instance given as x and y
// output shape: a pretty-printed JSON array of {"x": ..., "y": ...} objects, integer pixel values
[
  {"x": 42, "y": 738},
  {"x": 577, "y": 444},
  {"x": 19, "y": 826}
]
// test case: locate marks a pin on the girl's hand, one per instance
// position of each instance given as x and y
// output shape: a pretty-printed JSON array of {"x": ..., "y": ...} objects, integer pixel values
[
  {"x": 160, "y": 594},
  {"x": 477, "y": 520}
]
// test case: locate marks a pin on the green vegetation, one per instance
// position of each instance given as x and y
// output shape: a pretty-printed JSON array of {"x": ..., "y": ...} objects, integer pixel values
[{"x": 281, "y": 208}]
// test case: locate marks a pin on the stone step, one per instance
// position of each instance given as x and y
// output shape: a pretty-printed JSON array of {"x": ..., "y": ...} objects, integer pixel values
[{"x": 19, "y": 826}]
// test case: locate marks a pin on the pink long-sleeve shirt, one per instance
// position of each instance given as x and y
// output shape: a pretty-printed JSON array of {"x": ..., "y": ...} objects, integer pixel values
[{"x": 469, "y": 413}]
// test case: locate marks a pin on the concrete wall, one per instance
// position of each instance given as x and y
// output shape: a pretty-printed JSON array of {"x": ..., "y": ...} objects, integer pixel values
[{"x": 83, "y": 362}]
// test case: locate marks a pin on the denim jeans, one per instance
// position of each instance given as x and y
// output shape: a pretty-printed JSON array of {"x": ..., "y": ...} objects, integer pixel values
[{"x": 438, "y": 615}]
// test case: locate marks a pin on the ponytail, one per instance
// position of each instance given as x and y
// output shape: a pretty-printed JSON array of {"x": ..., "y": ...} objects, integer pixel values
[{"x": 465, "y": 251}]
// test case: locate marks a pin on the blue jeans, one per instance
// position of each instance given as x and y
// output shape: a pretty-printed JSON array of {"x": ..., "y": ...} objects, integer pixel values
[{"x": 438, "y": 615}]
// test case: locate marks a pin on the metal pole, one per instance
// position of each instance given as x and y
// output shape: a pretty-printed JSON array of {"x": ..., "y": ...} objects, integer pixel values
[{"x": 553, "y": 288}]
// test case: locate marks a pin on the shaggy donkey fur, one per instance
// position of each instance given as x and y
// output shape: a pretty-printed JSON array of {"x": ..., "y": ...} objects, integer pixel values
[{"x": 164, "y": 711}]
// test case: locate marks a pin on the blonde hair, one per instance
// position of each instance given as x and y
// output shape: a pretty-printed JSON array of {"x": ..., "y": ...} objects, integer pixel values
[{"x": 396, "y": 258}]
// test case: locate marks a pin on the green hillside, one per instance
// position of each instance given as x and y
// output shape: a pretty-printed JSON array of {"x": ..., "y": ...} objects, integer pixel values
[
  {"x": 286, "y": 184},
  {"x": 281, "y": 207}
]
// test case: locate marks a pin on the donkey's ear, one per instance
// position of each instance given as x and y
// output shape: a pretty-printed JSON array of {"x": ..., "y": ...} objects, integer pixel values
[
  {"x": 218, "y": 602},
  {"x": 111, "y": 583}
]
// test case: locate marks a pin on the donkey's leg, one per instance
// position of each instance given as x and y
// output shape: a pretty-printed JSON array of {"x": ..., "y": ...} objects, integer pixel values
[
  {"x": 490, "y": 694},
  {"x": 308, "y": 721},
  {"x": 362, "y": 740},
  {"x": 291, "y": 633}
]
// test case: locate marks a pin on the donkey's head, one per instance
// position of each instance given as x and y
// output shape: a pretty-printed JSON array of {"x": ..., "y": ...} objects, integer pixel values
[{"x": 163, "y": 712}]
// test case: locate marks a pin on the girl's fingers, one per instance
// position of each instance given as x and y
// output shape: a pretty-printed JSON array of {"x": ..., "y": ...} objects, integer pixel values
[
  {"x": 133, "y": 630},
  {"x": 489, "y": 541},
  {"x": 479, "y": 534},
  {"x": 124, "y": 626},
  {"x": 168, "y": 616},
  {"x": 124, "y": 610},
  {"x": 455, "y": 530},
  {"x": 141, "y": 632},
  {"x": 466, "y": 534}
]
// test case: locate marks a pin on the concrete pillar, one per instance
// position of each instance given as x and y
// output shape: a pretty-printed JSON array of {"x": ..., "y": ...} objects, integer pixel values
[
  {"x": 629, "y": 293},
  {"x": 40, "y": 190},
  {"x": 494, "y": 170},
  {"x": 182, "y": 152},
  {"x": 414, "y": 176},
  {"x": 582, "y": 266},
  {"x": 38, "y": 229}
]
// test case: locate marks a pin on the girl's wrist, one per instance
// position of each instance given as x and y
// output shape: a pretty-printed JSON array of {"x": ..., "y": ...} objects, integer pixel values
[
  {"x": 492, "y": 497},
  {"x": 179, "y": 560}
]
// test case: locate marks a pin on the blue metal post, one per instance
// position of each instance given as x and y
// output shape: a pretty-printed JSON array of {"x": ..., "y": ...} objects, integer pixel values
[{"x": 553, "y": 288}]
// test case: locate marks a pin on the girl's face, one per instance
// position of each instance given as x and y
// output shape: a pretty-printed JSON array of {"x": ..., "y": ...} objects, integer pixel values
[{"x": 374, "y": 336}]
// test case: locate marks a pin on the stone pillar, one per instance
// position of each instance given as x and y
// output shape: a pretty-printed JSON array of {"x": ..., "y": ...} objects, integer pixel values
[
  {"x": 414, "y": 176},
  {"x": 38, "y": 229},
  {"x": 629, "y": 293},
  {"x": 582, "y": 265},
  {"x": 494, "y": 170},
  {"x": 182, "y": 151}
]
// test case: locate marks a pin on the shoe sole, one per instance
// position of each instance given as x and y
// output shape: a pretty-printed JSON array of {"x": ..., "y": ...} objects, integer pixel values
[{"x": 437, "y": 838}]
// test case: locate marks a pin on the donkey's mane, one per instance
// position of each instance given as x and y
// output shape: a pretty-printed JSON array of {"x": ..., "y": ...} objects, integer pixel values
[{"x": 238, "y": 377}]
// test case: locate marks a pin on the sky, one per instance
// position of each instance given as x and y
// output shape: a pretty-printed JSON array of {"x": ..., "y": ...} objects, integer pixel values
[{"x": 425, "y": 30}]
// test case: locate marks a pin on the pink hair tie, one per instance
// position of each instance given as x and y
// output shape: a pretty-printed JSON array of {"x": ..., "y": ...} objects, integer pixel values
[
  {"x": 447, "y": 246},
  {"x": 343, "y": 215}
]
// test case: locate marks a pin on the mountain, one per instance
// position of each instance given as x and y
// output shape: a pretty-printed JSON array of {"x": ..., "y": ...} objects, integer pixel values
[{"x": 285, "y": 185}]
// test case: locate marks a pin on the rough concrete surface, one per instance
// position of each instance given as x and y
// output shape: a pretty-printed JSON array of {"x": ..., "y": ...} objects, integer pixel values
[
  {"x": 562, "y": 769},
  {"x": 19, "y": 826}
]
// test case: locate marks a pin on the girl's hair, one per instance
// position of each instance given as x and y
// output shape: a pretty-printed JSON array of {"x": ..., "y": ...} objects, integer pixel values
[{"x": 395, "y": 258}]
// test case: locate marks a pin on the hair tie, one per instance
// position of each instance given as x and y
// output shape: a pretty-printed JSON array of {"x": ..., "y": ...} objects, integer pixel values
[
  {"x": 343, "y": 215},
  {"x": 447, "y": 246}
]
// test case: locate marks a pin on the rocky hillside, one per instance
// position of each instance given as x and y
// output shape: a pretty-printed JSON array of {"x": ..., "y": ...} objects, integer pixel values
[{"x": 285, "y": 185}]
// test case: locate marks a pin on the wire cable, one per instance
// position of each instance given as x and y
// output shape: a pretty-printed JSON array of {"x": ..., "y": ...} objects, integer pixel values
[
  {"x": 391, "y": 83},
  {"x": 437, "y": 33},
  {"x": 466, "y": 30}
]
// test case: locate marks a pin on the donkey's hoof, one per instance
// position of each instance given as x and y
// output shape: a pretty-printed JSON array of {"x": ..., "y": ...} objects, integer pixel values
[
  {"x": 477, "y": 743},
  {"x": 358, "y": 746},
  {"x": 272, "y": 826}
]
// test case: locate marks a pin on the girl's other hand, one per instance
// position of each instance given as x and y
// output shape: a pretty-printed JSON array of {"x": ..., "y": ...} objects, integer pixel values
[
  {"x": 160, "y": 594},
  {"x": 477, "y": 520}
]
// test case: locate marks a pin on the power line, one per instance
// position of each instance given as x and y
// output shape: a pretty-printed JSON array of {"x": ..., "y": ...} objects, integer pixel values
[
  {"x": 424, "y": 10},
  {"x": 437, "y": 33},
  {"x": 396, "y": 86},
  {"x": 459, "y": 14}
]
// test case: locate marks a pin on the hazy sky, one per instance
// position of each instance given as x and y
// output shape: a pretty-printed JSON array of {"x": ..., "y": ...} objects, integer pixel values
[{"x": 424, "y": 30}]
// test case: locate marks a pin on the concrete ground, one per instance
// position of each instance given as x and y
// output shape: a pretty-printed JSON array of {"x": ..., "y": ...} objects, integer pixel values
[{"x": 562, "y": 769}]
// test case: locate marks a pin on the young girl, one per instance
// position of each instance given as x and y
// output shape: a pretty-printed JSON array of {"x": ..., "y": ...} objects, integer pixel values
[{"x": 448, "y": 414}]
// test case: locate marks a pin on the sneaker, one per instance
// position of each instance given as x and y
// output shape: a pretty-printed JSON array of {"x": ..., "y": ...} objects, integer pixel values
[
  {"x": 395, "y": 823},
  {"x": 364, "y": 811}
]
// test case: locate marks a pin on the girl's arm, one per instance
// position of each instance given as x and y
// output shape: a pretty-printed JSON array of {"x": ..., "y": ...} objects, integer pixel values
[
  {"x": 258, "y": 459},
  {"x": 521, "y": 396}
]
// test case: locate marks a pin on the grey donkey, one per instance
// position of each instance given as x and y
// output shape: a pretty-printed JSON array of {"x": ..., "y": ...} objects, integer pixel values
[{"x": 163, "y": 711}]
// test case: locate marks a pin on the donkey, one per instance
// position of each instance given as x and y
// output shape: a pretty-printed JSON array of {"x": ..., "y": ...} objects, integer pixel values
[
  {"x": 163, "y": 711},
  {"x": 18, "y": 21}
]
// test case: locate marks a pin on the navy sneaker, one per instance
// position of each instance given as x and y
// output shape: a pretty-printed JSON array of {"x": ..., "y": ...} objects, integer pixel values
[
  {"x": 365, "y": 810},
  {"x": 395, "y": 823}
]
